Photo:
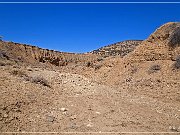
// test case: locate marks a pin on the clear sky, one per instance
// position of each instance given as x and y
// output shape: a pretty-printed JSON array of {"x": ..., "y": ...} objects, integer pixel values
[{"x": 82, "y": 27}]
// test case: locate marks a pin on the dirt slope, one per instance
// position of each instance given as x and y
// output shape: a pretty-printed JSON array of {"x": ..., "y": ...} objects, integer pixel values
[{"x": 75, "y": 103}]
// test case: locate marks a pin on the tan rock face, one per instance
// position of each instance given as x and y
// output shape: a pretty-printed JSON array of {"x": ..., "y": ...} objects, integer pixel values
[
  {"x": 167, "y": 34},
  {"x": 33, "y": 54},
  {"x": 163, "y": 44}
]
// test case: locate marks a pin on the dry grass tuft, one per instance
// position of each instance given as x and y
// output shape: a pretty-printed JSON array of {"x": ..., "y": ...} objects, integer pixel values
[
  {"x": 38, "y": 80},
  {"x": 176, "y": 65},
  {"x": 19, "y": 73},
  {"x": 154, "y": 69}
]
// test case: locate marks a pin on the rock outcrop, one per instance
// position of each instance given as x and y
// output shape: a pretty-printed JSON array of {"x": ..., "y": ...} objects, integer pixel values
[
  {"x": 33, "y": 54},
  {"x": 163, "y": 44},
  {"x": 120, "y": 48}
]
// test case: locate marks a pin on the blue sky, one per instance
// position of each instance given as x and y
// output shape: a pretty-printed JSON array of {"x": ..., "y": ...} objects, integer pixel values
[{"x": 82, "y": 27}]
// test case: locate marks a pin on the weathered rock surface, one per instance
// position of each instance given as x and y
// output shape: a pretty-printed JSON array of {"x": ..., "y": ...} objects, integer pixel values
[
  {"x": 33, "y": 54},
  {"x": 120, "y": 48},
  {"x": 163, "y": 44}
]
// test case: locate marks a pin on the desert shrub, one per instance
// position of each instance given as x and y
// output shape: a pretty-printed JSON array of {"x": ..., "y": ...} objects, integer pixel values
[
  {"x": 105, "y": 56},
  {"x": 2, "y": 63},
  {"x": 15, "y": 66},
  {"x": 6, "y": 63},
  {"x": 18, "y": 73},
  {"x": 174, "y": 39},
  {"x": 96, "y": 67},
  {"x": 134, "y": 69},
  {"x": 29, "y": 69},
  {"x": 154, "y": 68},
  {"x": 62, "y": 63},
  {"x": 128, "y": 79},
  {"x": 176, "y": 65},
  {"x": 99, "y": 59},
  {"x": 88, "y": 64},
  {"x": 39, "y": 80},
  {"x": 3, "y": 54}
]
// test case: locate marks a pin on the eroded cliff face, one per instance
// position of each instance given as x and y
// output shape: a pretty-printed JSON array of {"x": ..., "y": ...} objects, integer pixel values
[
  {"x": 33, "y": 54},
  {"x": 163, "y": 44}
]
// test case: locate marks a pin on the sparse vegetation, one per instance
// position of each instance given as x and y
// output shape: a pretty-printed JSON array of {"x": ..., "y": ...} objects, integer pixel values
[
  {"x": 154, "y": 68},
  {"x": 29, "y": 69},
  {"x": 3, "y": 54},
  {"x": 88, "y": 64},
  {"x": 134, "y": 69},
  {"x": 93, "y": 65},
  {"x": 97, "y": 66},
  {"x": 2, "y": 63},
  {"x": 6, "y": 63},
  {"x": 39, "y": 80},
  {"x": 99, "y": 59},
  {"x": 176, "y": 65},
  {"x": 120, "y": 48},
  {"x": 19, "y": 73},
  {"x": 174, "y": 39},
  {"x": 62, "y": 63}
]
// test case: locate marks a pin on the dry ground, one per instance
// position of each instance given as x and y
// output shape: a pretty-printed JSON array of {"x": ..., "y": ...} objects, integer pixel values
[{"x": 74, "y": 103}]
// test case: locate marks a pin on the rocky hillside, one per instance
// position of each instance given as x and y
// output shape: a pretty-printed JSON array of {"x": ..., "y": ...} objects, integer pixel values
[
  {"x": 163, "y": 44},
  {"x": 120, "y": 48},
  {"x": 137, "y": 93},
  {"x": 32, "y": 54}
]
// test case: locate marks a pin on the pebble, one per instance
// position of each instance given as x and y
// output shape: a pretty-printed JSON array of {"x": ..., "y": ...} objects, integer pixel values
[
  {"x": 50, "y": 118},
  {"x": 89, "y": 125},
  {"x": 98, "y": 113},
  {"x": 5, "y": 115},
  {"x": 63, "y": 109},
  {"x": 73, "y": 125},
  {"x": 174, "y": 128},
  {"x": 73, "y": 117}
]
